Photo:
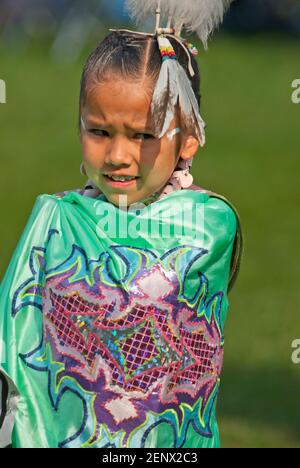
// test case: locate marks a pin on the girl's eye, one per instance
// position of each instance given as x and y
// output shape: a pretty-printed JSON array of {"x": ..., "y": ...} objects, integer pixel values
[
  {"x": 137, "y": 136},
  {"x": 100, "y": 133},
  {"x": 143, "y": 136}
]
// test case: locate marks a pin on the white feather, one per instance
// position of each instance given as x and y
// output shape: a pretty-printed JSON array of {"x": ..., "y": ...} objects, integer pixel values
[
  {"x": 140, "y": 9},
  {"x": 173, "y": 87},
  {"x": 200, "y": 16}
]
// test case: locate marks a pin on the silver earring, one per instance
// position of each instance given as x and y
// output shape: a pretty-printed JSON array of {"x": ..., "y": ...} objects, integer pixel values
[{"x": 82, "y": 169}]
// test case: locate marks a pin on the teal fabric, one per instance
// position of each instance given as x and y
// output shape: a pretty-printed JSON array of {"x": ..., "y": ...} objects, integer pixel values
[{"x": 112, "y": 338}]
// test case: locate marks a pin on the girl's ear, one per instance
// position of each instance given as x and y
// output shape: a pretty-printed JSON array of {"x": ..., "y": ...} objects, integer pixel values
[{"x": 189, "y": 147}]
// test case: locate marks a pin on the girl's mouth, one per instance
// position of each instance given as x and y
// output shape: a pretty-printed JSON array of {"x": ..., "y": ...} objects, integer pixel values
[{"x": 119, "y": 182}]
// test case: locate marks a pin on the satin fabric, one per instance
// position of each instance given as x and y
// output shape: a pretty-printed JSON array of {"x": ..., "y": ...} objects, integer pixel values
[{"x": 116, "y": 340}]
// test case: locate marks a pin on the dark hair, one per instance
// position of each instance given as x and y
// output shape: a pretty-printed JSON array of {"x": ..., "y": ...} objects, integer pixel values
[{"x": 132, "y": 56}]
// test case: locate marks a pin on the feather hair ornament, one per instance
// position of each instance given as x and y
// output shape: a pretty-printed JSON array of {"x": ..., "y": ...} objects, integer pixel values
[
  {"x": 199, "y": 16},
  {"x": 173, "y": 86}
]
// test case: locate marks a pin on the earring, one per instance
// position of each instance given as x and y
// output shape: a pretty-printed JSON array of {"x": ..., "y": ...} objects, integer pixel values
[
  {"x": 82, "y": 169},
  {"x": 185, "y": 177}
]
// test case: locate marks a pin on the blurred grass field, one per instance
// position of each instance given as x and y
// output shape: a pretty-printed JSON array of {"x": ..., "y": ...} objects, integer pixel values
[{"x": 252, "y": 157}]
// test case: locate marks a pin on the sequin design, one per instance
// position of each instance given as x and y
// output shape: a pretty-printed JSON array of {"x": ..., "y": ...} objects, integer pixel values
[{"x": 131, "y": 343}]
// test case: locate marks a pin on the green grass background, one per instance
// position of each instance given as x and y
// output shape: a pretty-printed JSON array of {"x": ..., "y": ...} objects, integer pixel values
[{"x": 252, "y": 157}]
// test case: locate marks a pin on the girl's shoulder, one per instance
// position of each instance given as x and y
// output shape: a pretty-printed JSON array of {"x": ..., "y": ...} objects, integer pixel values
[
  {"x": 212, "y": 194},
  {"x": 238, "y": 247}
]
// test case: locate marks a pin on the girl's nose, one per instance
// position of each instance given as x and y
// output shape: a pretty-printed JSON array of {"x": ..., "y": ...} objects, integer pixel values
[{"x": 118, "y": 153}]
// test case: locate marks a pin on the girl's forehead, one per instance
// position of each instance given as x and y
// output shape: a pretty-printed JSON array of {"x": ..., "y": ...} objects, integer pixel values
[{"x": 119, "y": 98}]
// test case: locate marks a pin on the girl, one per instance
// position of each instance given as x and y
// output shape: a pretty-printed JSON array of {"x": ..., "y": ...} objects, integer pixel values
[{"x": 114, "y": 303}]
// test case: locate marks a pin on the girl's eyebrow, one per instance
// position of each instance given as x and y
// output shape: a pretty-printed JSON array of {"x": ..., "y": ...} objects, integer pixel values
[{"x": 93, "y": 123}]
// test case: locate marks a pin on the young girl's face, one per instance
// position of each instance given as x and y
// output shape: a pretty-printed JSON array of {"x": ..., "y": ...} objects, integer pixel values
[{"x": 118, "y": 140}]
